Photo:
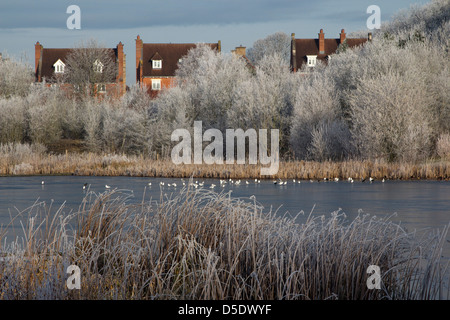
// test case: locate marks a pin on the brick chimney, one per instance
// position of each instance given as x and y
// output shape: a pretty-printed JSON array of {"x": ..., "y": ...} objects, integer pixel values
[
  {"x": 240, "y": 51},
  {"x": 139, "y": 54},
  {"x": 37, "y": 60},
  {"x": 121, "y": 66},
  {"x": 293, "y": 54},
  {"x": 321, "y": 42},
  {"x": 342, "y": 36}
]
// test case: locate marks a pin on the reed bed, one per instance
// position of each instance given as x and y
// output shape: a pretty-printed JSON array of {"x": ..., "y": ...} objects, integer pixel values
[
  {"x": 198, "y": 244},
  {"x": 18, "y": 159}
]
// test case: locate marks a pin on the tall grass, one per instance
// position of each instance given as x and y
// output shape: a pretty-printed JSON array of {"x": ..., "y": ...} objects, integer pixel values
[
  {"x": 23, "y": 159},
  {"x": 204, "y": 245}
]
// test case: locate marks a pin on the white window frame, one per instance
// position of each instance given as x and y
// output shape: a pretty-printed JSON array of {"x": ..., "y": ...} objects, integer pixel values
[
  {"x": 311, "y": 60},
  {"x": 156, "y": 84},
  {"x": 156, "y": 64},
  {"x": 59, "y": 66},
  {"x": 98, "y": 66}
]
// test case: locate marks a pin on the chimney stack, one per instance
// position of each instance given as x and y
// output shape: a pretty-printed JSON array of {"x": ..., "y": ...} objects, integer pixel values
[
  {"x": 37, "y": 60},
  {"x": 321, "y": 42},
  {"x": 121, "y": 66},
  {"x": 342, "y": 36},
  {"x": 219, "y": 46},
  {"x": 139, "y": 53},
  {"x": 293, "y": 54},
  {"x": 369, "y": 37},
  {"x": 240, "y": 51}
]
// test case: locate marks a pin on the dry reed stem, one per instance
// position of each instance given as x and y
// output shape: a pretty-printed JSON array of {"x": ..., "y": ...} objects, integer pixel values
[{"x": 89, "y": 164}]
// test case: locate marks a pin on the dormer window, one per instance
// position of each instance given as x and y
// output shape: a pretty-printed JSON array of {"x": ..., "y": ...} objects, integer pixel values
[
  {"x": 311, "y": 61},
  {"x": 156, "y": 61},
  {"x": 156, "y": 64},
  {"x": 59, "y": 66},
  {"x": 98, "y": 66}
]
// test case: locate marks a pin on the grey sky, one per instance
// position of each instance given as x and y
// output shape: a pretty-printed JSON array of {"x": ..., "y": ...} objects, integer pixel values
[{"x": 234, "y": 22}]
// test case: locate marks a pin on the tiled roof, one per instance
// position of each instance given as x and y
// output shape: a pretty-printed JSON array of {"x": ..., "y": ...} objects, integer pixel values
[
  {"x": 50, "y": 55},
  {"x": 306, "y": 47},
  {"x": 169, "y": 53}
]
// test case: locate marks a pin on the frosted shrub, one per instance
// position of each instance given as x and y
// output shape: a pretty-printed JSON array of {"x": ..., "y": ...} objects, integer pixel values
[
  {"x": 277, "y": 43},
  {"x": 44, "y": 123},
  {"x": 266, "y": 99},
  {"x": 443, "y": 146},
  {"x": 389, "y": 120},
  {"x": 23, "y": 168},
  {"x": 18, "y": 152},
  {"x": 330, "y": 141},
  {"x": 12, "y": 120},
  {"x": 93, "y": 124},
  {"x": 317, "y": 120},
  {"x": 125, "y": 130},
  {"x": 16, "y": 77}
]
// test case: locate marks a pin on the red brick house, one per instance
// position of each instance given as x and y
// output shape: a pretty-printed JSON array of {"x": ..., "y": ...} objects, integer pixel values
[
  {"x": 309, "y": 51},
  {"x": 156, "y": 63},
  {"x": 49, "y": 62}
]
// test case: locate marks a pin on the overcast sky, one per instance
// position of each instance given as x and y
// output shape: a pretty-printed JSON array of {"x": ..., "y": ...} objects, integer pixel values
[{"x": 234, "y": 22}]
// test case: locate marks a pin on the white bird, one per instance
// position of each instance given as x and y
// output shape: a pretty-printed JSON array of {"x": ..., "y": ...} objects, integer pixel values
[
  {"x": 336, "y": 179},
  {"x": 371, "y": 179},
  {"x": 149, "y": 183},
  {"x": 212, "y": 186},
  {"x": 382, "y": 180},
  {"x": 107, "y": 187},
  {"x": 246, "y": 182},
  {"x": 85, "y": 185},
  {"x": 42, "y": 182}
]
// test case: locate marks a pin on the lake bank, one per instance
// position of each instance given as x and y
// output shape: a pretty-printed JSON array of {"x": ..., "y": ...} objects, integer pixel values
[{"x": 29, "y": 162}]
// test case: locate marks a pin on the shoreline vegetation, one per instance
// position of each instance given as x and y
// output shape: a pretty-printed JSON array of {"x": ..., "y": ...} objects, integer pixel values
[
  {"x": 202, "y": 245},
  {"x": 23, "y": 160}
]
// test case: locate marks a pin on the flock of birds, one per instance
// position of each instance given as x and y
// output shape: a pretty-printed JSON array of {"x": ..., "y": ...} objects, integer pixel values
[{"x": 224, "y": 182}]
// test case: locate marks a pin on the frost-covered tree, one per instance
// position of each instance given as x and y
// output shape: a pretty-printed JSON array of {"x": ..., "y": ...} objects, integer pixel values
[
  {"x": 278, "y": 43},
  {"x": 390, "y": 119},
  {"x": 209, "y": 79},
  {"x": 318, "y": 129},
  {"x": 265, "y": 100},
  {"x": 16, "y": 77}
]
